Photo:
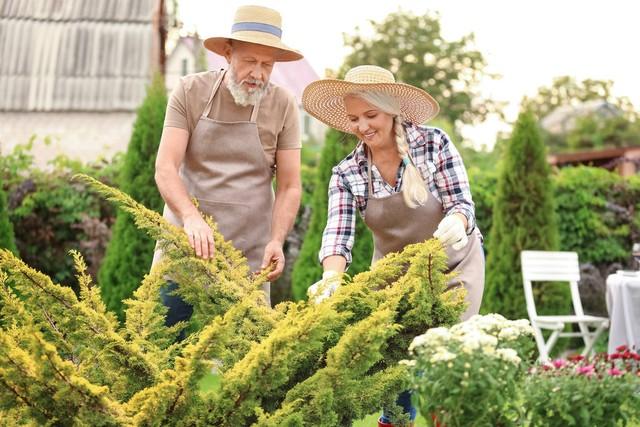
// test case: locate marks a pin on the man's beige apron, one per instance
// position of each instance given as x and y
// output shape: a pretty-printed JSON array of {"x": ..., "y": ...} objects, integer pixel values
[
  {"x": 226, "y": 170},
  {"x": 396, "y": 225}
]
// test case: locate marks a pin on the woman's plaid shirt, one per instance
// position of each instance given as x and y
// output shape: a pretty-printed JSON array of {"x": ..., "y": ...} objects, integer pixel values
[{"x": 436, "y": 158}]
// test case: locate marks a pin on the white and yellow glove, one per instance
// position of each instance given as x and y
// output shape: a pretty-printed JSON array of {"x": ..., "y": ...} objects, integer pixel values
[
  {"x": 451, "y": 232},
  {"x": 324, "y": 287}
]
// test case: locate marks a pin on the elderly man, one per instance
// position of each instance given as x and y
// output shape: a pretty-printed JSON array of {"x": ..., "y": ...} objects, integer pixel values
[{"x": 226, "y": 134}]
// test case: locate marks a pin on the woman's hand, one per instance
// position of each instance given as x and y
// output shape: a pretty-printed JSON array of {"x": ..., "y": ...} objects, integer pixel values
[
  {"x": 452, "y": 231},
  {"x": 324, "y": 287}
]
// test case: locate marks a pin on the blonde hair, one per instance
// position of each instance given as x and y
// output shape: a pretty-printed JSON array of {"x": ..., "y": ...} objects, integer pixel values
[{"x": 414, "y": 189}]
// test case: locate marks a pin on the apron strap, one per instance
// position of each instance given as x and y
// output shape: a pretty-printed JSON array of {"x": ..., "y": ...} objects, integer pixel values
[
  {"x": 216, "y": 85},
  {"x": 254, "y": 113},
  {"x": 369, "y": 166}
]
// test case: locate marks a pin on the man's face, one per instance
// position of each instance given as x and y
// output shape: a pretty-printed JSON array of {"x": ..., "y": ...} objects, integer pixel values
[{"x": 251, "y": 64}]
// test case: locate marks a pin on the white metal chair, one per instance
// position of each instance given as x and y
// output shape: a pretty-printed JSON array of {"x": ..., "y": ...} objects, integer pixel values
[{"x": 547, "y": 266}]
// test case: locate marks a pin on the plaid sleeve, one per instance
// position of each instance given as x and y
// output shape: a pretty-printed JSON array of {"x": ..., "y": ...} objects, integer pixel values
[
  {"x": 453, "y": 183},
  {"x": 339, "y": 232}
]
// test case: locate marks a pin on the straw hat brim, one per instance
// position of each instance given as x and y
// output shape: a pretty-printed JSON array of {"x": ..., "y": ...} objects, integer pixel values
[
  {"x": 217, "y": 44},
  {"x": 324, "y": 100}
]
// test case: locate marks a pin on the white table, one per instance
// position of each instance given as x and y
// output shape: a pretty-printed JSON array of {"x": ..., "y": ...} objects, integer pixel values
[{"x": 623, "y": 305}]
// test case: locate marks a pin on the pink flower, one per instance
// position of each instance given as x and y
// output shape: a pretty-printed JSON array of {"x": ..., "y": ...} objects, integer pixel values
[
  {"x": 586, "y": 370},
  {"x": 614, "y": 372},
  {"x": 559, "y": 363}
]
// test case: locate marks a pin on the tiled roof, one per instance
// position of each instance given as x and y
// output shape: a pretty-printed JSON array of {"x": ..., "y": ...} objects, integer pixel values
[{"x": 75, "y": 55}]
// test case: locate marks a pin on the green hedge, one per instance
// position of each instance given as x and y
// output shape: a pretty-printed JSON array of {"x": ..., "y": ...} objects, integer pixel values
[
  {"x": 52, "y": 215},
  {"x": 598, "y": 211},
  {"x": 7, "y": 238}
]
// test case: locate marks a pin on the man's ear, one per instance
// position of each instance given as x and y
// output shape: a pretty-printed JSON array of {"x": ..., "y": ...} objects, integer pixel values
[{"x": 227, "y": 51}]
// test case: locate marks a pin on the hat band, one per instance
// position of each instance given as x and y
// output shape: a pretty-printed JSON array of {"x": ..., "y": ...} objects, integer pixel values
[{"x": 257, "y": 26}]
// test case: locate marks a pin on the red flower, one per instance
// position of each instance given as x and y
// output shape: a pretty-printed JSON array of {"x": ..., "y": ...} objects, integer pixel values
[
  {"x": 614, "y": 372},
  {"x": 576, "y": 358},
  {"x": 614, "y": 356},
  {"x": 621, "y": 348},
  {"x": 586, "y": 370}
]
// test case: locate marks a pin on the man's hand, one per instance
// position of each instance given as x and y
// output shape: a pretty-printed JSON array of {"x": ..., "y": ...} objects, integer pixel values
[
  {"x": 200, "y": 235},
  {"x": 452, "y": 231},
  {"x": 324, "y": 287},
  {"x": 273, "y": 253}
]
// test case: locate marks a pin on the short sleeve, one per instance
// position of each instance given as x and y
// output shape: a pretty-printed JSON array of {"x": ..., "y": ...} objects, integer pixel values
[
  {"x": 289, "y": 136},
  {"x": 176, "y": 115}
]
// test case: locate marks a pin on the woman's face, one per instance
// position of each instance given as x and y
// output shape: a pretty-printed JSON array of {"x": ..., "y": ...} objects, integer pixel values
[{"x": 373, "y": 126}]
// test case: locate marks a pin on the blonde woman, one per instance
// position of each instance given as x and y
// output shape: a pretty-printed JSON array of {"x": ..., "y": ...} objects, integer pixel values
[{"x": 407, "y": 181}]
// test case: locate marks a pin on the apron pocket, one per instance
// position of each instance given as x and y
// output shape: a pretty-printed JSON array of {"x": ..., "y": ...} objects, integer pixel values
[{"x": 231, "y": 218}]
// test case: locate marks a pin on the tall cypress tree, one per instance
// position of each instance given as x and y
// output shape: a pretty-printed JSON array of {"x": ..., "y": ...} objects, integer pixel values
[
  {"x": 523, "y": 219},
  {"x": 307, "y": 269},
  {"x": 7, "y": 238},
  {"x": 129, "y": 253}
]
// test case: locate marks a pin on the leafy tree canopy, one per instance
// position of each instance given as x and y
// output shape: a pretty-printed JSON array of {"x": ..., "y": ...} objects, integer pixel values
[{"x": 412, "y": 47}]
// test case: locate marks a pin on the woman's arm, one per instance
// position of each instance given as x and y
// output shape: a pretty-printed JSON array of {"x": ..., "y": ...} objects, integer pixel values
[{"x": 339, "y": 234}]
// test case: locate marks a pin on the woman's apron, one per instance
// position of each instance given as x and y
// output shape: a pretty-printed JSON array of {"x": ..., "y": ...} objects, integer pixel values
[
  {"x": 396, "y": 225},
  {"x": 226, "y": 170}
]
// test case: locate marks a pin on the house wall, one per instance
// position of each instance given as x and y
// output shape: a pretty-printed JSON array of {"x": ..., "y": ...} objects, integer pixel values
[{"x": 174, "y": 65}]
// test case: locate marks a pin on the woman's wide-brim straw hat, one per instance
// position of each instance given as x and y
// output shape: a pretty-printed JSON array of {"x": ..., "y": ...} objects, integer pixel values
[
  {"x": 259, "y": 25},
  {"x": 324, "y": 99}
]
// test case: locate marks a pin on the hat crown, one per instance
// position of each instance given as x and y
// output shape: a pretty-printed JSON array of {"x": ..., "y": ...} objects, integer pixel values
[
  {"x": 259, "y": 15},
  {"x": 369, "y": 74}
]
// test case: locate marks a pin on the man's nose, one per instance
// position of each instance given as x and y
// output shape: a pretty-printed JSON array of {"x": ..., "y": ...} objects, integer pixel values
[{"x": 256, "y": 72}]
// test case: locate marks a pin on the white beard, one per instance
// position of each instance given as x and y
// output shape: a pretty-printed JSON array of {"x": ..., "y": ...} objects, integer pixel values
[{"x": 242, "y": 96}]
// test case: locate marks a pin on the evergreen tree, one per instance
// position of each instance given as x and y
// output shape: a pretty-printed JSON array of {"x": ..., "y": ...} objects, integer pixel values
[
  {"x": 307, "y": 269},
  {"x": 128, "y": 256},
  {"x": 7, "y": 238},
  {"x": 66, "y": 361},
  {"x": 523, "y": 219}
]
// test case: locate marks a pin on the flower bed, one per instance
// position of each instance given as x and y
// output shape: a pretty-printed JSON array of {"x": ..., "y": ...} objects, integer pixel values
[{"x": 482, "y": 373}]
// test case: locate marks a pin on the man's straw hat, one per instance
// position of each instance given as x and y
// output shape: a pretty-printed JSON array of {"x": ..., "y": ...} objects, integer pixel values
[
  {"x": 324, "y": 99},
  {"x": 255, "y": 24}
]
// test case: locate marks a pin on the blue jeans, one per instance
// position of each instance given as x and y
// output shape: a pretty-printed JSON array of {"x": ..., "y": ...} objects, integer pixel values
[
  {"x": 404, "y": 401},
  {"x": 178, "y": 309}
]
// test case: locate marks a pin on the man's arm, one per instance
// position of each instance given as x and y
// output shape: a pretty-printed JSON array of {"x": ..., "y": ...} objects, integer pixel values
[
  {"x": 173, "y": 146},
  {"x": 285, "y": 209}
]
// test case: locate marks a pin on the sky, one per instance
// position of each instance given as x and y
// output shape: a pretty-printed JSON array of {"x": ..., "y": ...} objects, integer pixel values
[{"x": 526, "y": 42}]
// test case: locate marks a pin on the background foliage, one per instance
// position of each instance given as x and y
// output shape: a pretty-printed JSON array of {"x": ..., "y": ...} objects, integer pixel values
[
  {"x": 129, "y": 253},
  {"x": 50, "y": 216},
  {"x": 523, "y": 219}
]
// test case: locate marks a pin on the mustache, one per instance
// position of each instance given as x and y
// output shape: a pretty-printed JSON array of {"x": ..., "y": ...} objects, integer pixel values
[{"x": 259, "y": 83}]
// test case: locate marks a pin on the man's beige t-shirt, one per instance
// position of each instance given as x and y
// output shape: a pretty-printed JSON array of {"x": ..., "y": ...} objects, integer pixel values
[{"x": 278, "y": 120}]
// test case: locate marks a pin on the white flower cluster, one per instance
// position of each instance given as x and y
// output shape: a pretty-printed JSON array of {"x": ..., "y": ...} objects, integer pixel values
[{"x": 479, "y": 333}]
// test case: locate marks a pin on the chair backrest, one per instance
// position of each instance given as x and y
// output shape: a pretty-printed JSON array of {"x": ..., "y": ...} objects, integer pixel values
[{"x": 548, "y": 266}]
